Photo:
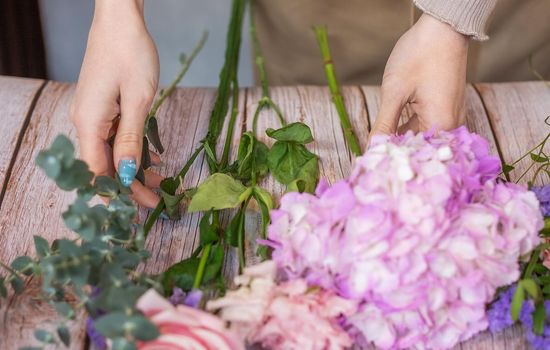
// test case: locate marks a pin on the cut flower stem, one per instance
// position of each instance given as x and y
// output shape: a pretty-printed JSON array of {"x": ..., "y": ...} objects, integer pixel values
[{"x": 337, "y": 99}]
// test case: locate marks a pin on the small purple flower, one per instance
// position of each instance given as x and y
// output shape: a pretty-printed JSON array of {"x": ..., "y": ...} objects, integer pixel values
[
  {"x": 499, "y": 314},
  {"x": 192, "y": 299},
  {"x": 543, "y": 195},
  {"x": 538, "y": 342},
  {"x": 95, "y": 337}
]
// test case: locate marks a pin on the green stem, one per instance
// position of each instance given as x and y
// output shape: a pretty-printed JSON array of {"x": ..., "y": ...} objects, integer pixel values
[
  {"x": 228, "y": 73},
  {"x": 266, "y": 100},
  {"x": 544, "y": 166},
  {"x": 231, "y": 127},
  {"x": 153, "y": 217},
  {"x": 190, "y": 161},
  {"x": 240, "y": 238},
  {"x": 183, "y": 70},
  {"x": 322, "y": 39},
  {"x": 258, "y": 51},
  {"x": 202, "y": 266}
]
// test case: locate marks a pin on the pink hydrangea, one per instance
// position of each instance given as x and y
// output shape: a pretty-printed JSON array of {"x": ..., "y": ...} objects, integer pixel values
[
  {"x": 421, "y": 234},
  {"x": 182, "y": 327},
  {"x": 284, "y": 316}
]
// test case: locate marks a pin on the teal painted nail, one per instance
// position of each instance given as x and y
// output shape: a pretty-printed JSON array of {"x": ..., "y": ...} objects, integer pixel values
[{"x": 127, "y": 170}]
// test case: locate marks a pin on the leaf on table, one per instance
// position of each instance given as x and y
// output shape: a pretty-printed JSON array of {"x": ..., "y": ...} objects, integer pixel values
[
  {"x": 208, "y": 233},
  {"x": 181, "y": 275},
  {"x": 295, "y": 132},
  {"x": 214, "y": 264},
  {"x": 251, "y": 158},
  {"x": 168, "y": 188},
  {"x": 219, "y": 191},
  {"x": 231, "y": 234},
  {"x": 292, "y": 162}
]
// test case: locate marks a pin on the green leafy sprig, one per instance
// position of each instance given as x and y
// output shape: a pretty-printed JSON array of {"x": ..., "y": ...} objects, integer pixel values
[{"x": 105, "y": 254}]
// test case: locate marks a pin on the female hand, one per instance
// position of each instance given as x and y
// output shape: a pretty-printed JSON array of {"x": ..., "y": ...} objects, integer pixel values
[
  {"x": 118, "y": 81},
  {"x": 426, "y": 69}
]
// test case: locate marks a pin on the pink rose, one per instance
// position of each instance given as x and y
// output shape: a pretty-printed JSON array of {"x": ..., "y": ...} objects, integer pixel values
[{"x": 183, "y": 328}]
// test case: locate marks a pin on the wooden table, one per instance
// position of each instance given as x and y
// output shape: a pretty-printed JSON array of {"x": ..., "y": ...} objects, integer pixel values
[{"x": 32, "y": 112}]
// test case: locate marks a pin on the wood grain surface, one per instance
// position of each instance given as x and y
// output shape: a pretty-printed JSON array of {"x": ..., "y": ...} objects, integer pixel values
[{"x": 511, "y": 116}]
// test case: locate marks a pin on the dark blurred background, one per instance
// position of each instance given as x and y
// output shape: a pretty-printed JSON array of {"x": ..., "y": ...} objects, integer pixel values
[{"x": 21, "y": 39}]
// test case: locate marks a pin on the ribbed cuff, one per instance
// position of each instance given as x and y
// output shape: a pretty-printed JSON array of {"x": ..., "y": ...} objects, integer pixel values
[{"x": 465, "y": 16}]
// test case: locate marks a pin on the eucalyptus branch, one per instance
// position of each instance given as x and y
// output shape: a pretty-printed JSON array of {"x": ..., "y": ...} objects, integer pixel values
[
  {"x": 186, "y": 63},
  {"x": 337, "y": 99}
]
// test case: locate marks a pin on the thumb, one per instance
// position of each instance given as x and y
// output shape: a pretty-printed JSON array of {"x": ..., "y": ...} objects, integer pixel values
[
  {"x": 388, "y": 117},
  {"x": 129, "y": 137}
]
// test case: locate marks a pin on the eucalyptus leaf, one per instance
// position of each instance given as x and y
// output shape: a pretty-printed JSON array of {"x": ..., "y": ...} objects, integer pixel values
[
  {"x": 41, "y": 246},
  {"x": 44, "y": 336},
  {"x": 219, "y": 191},
  {"x": 22, "y": 263},
  {"x": 78, "y": 175},
  {"x": 123, "y": 344},
  {"x": 64, "y": 335},
  {"x": 118, "y": 324},
  {"x": 106, "y": 186},
  {"x": 295, "y": 132},
  {"x": 64, "y": 309}
]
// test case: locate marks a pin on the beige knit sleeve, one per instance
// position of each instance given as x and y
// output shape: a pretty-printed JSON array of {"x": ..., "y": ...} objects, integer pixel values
[{"x": 468, "y": 17}]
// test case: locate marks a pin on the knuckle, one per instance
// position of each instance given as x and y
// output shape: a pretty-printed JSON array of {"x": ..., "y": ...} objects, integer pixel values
[{"x": 128, "y": 138}]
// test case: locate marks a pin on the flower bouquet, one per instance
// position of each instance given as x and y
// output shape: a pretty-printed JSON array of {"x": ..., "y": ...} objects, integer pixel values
[{"x": 422, "y": 246}]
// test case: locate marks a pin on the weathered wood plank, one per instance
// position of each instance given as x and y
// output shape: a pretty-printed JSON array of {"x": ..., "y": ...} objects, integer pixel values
[
  {"x": 313, "y": 106},
  {"x": 17, "y": 96},
  {"x": 476, "y": 121},
  {"x": 517, "y": 112},
  {"x": 32, "y": 206}
]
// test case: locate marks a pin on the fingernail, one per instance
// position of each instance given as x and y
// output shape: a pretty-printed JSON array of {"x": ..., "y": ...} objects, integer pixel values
[{"x": 127, "y": 171}]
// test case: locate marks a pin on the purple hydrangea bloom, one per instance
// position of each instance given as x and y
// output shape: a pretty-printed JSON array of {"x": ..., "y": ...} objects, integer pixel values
[
  {"x": 543, "y": 195},
  {"x": 499, "y": 314},
  {"x": 191, "y": 299},
  {"x": 421, "y": 234}
]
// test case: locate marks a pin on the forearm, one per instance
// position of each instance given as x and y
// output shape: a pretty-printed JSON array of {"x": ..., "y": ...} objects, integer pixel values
[
  {"x": 468, "y": 17},
  {"x": 119, "y": 11}
]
